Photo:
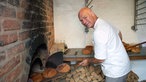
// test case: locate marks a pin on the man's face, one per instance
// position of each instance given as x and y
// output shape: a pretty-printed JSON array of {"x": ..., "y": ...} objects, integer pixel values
[{"x": 86, "y": 19}]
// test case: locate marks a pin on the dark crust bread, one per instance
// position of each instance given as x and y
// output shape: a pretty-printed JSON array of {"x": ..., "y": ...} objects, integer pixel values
[
  {"x": 87, "y": 50},
  {"x": 49, "y": 73},
  {"x": 63, "y": 68},
  {"x": 37, "y": 77}
]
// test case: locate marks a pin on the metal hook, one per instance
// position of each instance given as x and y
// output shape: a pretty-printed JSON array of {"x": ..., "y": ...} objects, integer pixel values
[{"x": 134, "y": 28}]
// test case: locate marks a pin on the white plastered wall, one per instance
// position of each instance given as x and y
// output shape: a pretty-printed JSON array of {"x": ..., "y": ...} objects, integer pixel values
[
  {"x": 68, "y": 28},
  {"x": 120, "y": 13}
]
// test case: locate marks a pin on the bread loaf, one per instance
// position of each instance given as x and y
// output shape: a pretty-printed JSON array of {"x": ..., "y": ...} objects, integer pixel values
[
  {"x": 49, "y": 73},
  {"x": 63, "y": 68},
  {"x": 87, "y": 50},
  {"x": 37, "y": 77}
]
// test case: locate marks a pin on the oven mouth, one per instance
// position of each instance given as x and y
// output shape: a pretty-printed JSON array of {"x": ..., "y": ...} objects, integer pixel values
[{"x": 54, "y": 60}]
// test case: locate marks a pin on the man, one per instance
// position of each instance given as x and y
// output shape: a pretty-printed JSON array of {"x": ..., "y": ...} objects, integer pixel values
[{"x": 108, "y": 47}]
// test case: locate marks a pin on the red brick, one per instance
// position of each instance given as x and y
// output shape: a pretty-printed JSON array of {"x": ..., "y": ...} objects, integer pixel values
[
  {"x": 4, "y": 39},
  {"x": 15, "y": 50},
  {"x": 20, "y": 14},
  {"x": 6, "y": 11},
  {"x": 9, "y": 12},
  {"x": 23, "y": 4},
  {"x": 9, "y": 65},
  {"x": 14, "y": 74},
  {"x": 13, "y": 37},
  {"x": 10, "y": 25},
  {"x": 8, "y": 38},
  {"x": 24, "y": 35}
]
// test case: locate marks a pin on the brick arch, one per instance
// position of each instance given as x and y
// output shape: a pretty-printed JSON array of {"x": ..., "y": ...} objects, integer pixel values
[{"x": 35, "y": 43}]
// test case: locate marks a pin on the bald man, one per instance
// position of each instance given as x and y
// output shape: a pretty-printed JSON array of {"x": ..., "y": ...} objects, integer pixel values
[{"x": 108, "y": 47}]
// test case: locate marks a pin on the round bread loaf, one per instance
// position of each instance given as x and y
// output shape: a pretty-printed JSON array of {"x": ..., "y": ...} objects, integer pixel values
[
  {"x": 87, "y": 50},
  {"x": 37, "y": 77},
  {"x": 63, "y": 68},
  {"x": 49, "y": 73}
]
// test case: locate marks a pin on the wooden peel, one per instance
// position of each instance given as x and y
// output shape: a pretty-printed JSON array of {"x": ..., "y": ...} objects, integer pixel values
[{"x": 136, "y": 44}]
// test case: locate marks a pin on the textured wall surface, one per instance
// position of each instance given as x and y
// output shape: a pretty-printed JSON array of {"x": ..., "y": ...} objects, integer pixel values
[{"x": 21, "y": 23}]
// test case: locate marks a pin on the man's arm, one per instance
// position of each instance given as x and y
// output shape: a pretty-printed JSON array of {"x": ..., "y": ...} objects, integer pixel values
[
  {"x": 87, "y": 61},
  {"x": 94, "y": 60},
  {"x": 120, "y": 35}
]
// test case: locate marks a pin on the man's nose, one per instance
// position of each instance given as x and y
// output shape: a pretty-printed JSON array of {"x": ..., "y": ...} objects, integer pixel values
[{"x": 83, "y": 22}]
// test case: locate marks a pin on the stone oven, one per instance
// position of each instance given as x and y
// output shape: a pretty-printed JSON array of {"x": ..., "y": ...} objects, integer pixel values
[{"x": 25, "y": 27}]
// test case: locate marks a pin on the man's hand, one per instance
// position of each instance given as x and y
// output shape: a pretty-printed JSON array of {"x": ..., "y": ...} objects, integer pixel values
[{"x": 85, "y": 62}]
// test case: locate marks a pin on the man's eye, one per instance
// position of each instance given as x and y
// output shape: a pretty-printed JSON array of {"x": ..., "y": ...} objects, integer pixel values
[{"x": 84, "y": 17}]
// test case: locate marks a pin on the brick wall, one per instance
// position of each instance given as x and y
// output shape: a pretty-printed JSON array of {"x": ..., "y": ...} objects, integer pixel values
[{"x": 21, "y": 22}]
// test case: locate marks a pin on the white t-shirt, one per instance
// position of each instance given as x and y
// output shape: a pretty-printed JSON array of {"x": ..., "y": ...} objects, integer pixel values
[{"x": 108, "y": 46}]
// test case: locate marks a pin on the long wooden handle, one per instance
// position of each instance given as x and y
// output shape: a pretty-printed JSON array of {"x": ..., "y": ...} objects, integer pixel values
[{"x": 137, "y": 44}]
